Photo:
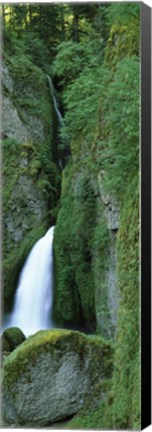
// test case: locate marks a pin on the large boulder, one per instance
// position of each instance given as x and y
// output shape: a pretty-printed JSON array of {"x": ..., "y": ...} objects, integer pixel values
[{"x": 50, "y": 376}]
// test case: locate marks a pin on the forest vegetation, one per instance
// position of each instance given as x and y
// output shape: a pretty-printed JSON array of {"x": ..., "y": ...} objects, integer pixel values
[{"x": 92, "y": 53}]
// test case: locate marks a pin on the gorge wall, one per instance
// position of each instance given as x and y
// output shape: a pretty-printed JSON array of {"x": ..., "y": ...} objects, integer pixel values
[
  {"x": 85, "y": 252},
  {"x": 97, "y": 285},
  {"x": 31, "y": 178}
]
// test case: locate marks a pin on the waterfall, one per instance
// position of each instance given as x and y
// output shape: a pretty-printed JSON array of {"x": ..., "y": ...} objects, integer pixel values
[
  {"x": 52, "y": 90},
  {"x": 64, "y": 153},
  {"x": 34, "y": 295}
]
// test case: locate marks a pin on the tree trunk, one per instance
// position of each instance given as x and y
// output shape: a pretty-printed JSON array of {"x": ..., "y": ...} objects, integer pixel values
[
  {"x": 3, "y": 14},
  {"x": 75, "y": 28}
]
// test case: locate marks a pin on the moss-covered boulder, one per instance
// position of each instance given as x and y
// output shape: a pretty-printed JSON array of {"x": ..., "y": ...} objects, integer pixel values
[
  {"x": 5, "y": 347},
  {"x": 50, "y": 376},
  {"x": 11, "y": 338}
]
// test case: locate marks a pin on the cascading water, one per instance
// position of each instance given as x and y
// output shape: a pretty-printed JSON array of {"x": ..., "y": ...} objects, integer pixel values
[
  {"x": 59, "y": 116},
  {"x": 64, "y": 150},
  {"x": 34, "y": 295}
]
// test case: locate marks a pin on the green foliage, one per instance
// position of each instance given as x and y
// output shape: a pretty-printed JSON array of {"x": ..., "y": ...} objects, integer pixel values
[
  {"x": 82, "y": 115},
  {"x": 123, "y": 20},
  {"x": 35, "y": 48},
  {"x": 48, "y": 25},
  {"x": 123, "y": 12},
  {"x": 102, "y": 116},
  {"x": 116, "y": 116},
  {"x": 29, "y": 46},
  {"x": 72, "y": 58},
  {"x": 102, "y": 103},
  {"x": 77, "y": 66},
  {"x": 121, "y": 115},
  {"x": 96, "y": 67},
  {"x": 68, "y": 61}
]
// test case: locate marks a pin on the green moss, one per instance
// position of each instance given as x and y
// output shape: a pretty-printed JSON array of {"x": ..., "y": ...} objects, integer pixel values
[
  {"x": 51, "y": 341},
  {"x": 121, "y": 408},
  {"x": 81, "y": 238},
  {"x": 100, "y": 245},
  {"x": 74, "y": 297},
  {"x": 32, "y": 100},
  {"x": 5, "y": 346},
  {"x": 127, "y": 348},
  {"x": 91, "y": 416},
  {"x": 22, "y": 68},
  {"x": 123, "y": 39},
  {"x": 13, "y": 337}
]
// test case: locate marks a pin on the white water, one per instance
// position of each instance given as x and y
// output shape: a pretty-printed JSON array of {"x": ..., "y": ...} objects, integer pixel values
[
  {"x": 34, "y": 295},
  {"x": 60, "y": 118}
]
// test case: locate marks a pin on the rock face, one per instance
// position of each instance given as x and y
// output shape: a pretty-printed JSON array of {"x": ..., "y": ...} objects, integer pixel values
[
  {"x": 86, "y": 283},
  {"x": 20, "y": 118},
  {"x": 111, "y": 212},
  {"x": 24, "y": 131},
  {"x": 26, "y": 204},
  {"x": 31, "y": 180},
  {"x": 111, "y": 207},
  {"x": 50, "y": 376}
]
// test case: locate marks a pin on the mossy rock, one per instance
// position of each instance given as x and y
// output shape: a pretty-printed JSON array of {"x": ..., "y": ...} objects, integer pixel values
[
  {"x": 74, "y": 301},
  {"x": 31, "y": 177},
  {"x": 11, "y": 338},
  {"x": 31, "y": 190},
  {"x": 49, "y": 377},
  {"x": 5, "y": 345}
]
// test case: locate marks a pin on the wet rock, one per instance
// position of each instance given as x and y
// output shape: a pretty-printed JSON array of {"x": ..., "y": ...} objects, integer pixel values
[{"x": 111, "y": 207}]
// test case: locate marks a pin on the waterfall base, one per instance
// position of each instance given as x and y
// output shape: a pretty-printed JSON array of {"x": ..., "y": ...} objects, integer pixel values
[{"x": 34, "y": 296}]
